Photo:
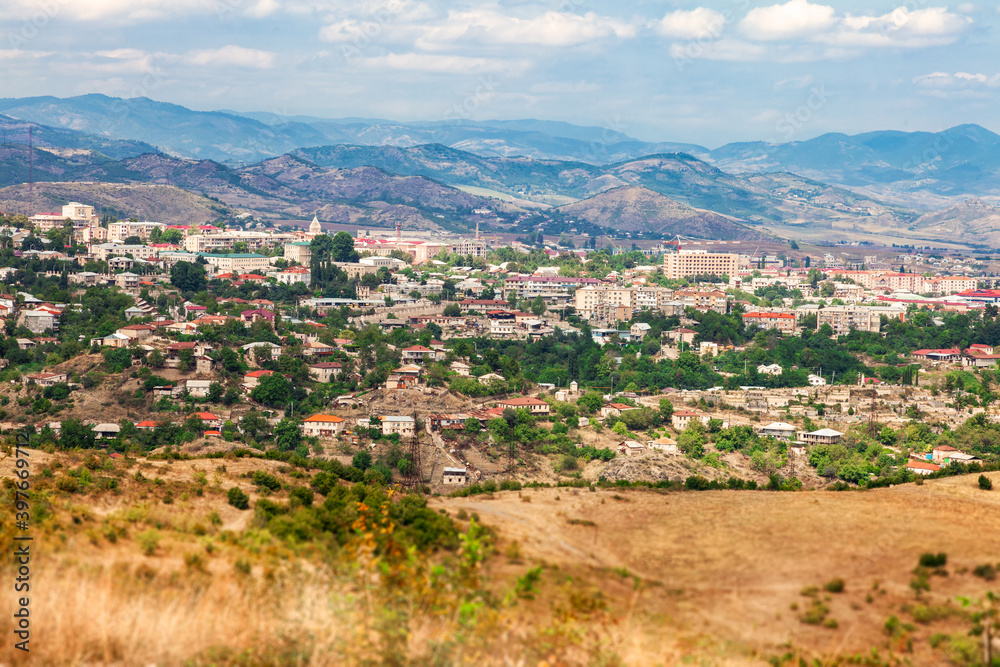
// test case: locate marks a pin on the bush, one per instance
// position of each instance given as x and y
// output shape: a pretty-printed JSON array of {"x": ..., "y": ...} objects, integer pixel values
[
  {"x": 834, "y": 586},
  {"x": 985, "y": 483},
  {"x": 266, "y": 480},
  {"x": 696, "y": 483},
  {"x": 148, "y": 541},
  {"x": 933, "y": 560},
  {"x": 238, "y": 498},
  {"x": 987, "y": 572}
]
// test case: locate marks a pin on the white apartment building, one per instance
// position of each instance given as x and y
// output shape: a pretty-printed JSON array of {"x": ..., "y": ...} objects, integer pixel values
[
  {"x": 227, "y": 240},
  {"x": 529, "y": 287},
  {"x": 292, "y": 275},
  {"x": 104, "y": 251},
  {"x": 688, "y": 263},
  {"x": 238, "y": 262},
  {"x": 81, "y": 215},
  {"x": 119, "y": 231}
]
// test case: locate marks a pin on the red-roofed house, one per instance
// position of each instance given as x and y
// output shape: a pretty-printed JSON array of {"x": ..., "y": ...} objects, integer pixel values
[
  {"x": 146, "y": 425},
  {"x": 615, "y": 410},
  {"x": 257, "y": 315},
  {"x": 417, "y": 353},
  {"x": 326, "y": 370},
  {"x": 252, "y": 379},
  {"x": 922, "y": 467},
  {"x": 323, "y": 426},
  {"x": 209, "y": 418},
  {"x": 945, "y": 354}
]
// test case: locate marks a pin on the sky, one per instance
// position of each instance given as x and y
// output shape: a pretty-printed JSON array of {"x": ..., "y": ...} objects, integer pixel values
[{"x": 701, "y": 72}]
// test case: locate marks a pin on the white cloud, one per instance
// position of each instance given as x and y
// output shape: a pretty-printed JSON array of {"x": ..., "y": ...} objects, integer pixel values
[
  {"x": 480, "y": 26},
  {"x": 698, "y": 23},
  {"x": 900, "y": 28},
  {"x": 442, "y": 64},
  {"x": 232, "y": 55},
  {"x": 96, "y": 10},
  {"x": 936, "y": 80},
  {"x": 796, "y": 18},
  {"x": 19, "y": 54},
  {"x": 263, "y": 8}
]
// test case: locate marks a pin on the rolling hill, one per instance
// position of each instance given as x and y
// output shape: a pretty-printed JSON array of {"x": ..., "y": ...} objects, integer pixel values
[{"x": 633, "y": 208}]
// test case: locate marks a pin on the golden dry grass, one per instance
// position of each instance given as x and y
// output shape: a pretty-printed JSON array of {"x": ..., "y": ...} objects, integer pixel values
[
  {"x": 628, "y": 577},
  {"x": 728, "y": 565}
]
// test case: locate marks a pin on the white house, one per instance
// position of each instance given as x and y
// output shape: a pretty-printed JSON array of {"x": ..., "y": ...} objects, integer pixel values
[
  {"x": 770, "y": 369},
  {"x": 402, "y": 425},
  {"x": 816, "y": 380},
  {"x": 455, "y": 475},
  {"x": 322, "y": 426}
]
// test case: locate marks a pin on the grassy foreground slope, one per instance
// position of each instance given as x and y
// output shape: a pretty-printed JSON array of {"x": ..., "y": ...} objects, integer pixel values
[{"x": 143, "y": 561}]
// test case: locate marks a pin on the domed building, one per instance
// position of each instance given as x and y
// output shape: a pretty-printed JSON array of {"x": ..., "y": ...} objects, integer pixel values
[{"x": 314, "y": 226}]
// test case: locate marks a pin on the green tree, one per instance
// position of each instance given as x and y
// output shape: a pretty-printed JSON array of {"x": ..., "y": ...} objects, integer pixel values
[
  {"x": 75, "y": 434},
  {"x": 117, "y": 358},
  {"x": 342, "y": 248},
  {"x": 362, "y": 460},
  {"x": 666, "y": 410},
  {"x": 692, "y": 443},
  {"x": 254, "y": 426},
  {"x": 188, "y": 277},
  {"x": 287, "y": 434},
  {"x": 538, "y": 306},
  {"x": 273, "y": 390}
]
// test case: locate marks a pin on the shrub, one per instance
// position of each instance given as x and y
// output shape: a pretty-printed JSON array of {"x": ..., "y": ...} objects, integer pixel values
[
  {"x": 834, "y": 586},
  {"x": 696, "y": 483},
  {"x": 301, "y": 496},
  {"x": 238, "y": 498},
  {"x": 266, "y": 480},
  {"x": 933, "y": 560},
  {"x": 985, "y": 483},
  {"x": 987, "y": 572},
  {"x": 148, "y": 541}
]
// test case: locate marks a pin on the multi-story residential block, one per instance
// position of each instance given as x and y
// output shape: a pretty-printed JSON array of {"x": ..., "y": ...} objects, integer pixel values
[
  {"x": 119, "y": 231},
  {"x": 703, "y": 300},
  {"x": 104, "y": 251},
  {"x": 81, "y": 215},
  {"x": 529, "y": 287},
  {"x": 688, "y": 263},
  {"x": 947, "y": 285},
  {"x": 299, "y": 252},
  {"x": 228, "y": 240},
  {"x": 862, "y": 318},
  {"x": 237, "y": 262},
  {"x": 783, "y": 322}
]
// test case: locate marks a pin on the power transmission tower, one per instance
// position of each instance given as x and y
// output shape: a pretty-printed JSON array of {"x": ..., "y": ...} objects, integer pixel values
[
  {"x": 413, "y": 476},
  {"x": 872, "y": 420}
]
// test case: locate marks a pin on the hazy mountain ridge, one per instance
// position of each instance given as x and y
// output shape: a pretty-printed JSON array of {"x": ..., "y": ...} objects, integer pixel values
[{"x": 633, "y": 208}]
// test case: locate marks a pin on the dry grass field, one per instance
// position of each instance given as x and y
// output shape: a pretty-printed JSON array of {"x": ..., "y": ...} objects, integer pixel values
[
  {"x": 721, "y": 569},
  {"x": 573, "y": 576}
]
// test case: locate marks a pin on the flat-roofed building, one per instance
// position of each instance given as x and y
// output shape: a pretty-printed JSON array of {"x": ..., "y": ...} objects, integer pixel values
[{"x": 690, "y": 263}]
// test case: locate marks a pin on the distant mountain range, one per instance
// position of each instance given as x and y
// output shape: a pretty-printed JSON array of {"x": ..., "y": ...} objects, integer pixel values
[
  {"x": 916, "y": 169},
  {"x": 365, "y": 171}
]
